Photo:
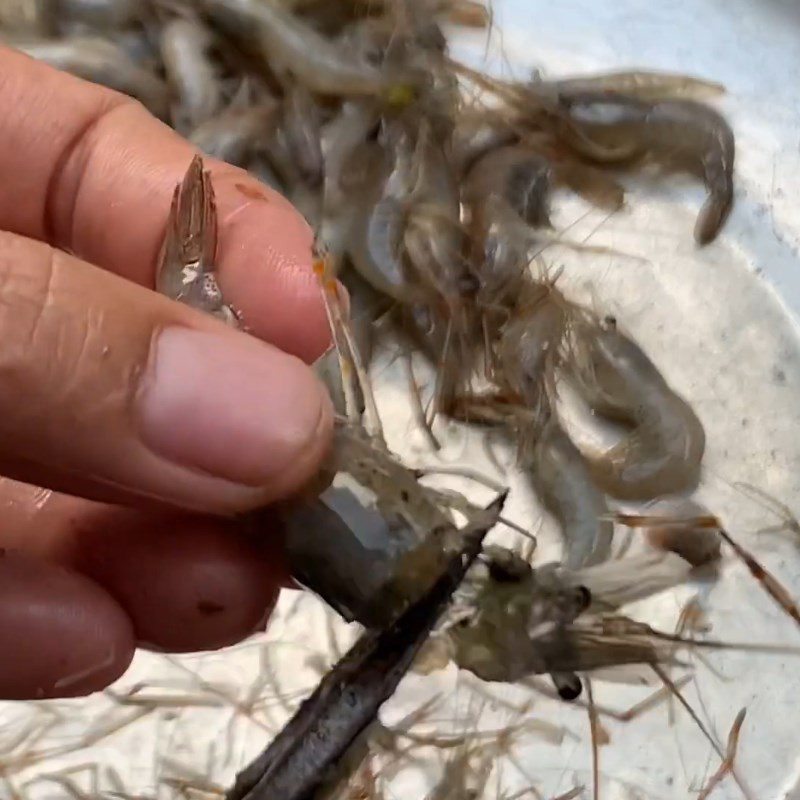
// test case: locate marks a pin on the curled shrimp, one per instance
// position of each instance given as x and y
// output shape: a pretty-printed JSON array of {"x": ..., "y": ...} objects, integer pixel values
[
  {"x": 662, "y": 451},
  {"x": 101, "y": 61},
  {"x": 343, "y": 143},
  {"x": 562, "y": 480},
  {"x": 679, "y": 134},
  {"x": 190, "y": 72}
]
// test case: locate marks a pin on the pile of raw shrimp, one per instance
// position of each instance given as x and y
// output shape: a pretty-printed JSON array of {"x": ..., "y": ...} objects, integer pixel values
[{"x": 429, "y": 186}]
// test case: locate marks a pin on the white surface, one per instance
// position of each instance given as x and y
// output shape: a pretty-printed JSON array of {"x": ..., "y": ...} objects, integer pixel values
[{"x": 722, "y": 323}]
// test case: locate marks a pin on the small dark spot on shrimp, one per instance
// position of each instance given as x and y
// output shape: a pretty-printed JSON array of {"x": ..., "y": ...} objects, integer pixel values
[
  {"x": 779, "y": 375},
  {"x": 404, "y": 496},
  {"x": 209, "y": 607},
  {"x": 251, "y": 192}
]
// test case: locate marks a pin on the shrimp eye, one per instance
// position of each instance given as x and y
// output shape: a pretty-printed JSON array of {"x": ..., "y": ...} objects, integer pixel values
[
  {"x": 569, "y": 687},
  {"x": 610, "y": 320},
  {"x": 503, "y": 573},
  {"x": 584, "y": 598}
]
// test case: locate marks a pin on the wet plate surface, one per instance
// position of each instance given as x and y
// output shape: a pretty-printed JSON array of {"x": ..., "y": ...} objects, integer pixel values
[{"x": 721, "y": 324}]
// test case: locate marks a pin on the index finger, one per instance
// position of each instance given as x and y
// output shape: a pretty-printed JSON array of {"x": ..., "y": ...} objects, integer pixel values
[{"x": 92, "y": 172}]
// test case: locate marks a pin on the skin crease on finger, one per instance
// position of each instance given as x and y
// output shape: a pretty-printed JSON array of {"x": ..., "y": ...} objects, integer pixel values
[{"x": 97, "y": 179}]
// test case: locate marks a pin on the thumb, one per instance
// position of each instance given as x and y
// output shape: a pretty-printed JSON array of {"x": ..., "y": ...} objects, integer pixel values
[{"x": 113, "y": 392}]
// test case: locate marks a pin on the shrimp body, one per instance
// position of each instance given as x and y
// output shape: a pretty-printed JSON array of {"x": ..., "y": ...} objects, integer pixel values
[
  {"x": 301, "y": 130},
  {"x": 519, "y": 175},
  {"x": 513, "y": 622},
  {"x": 184, "y": 46},
  {"x": 647, "y": 85},
  {"x": 562, "y": 480},
  {"x": 291, "y": 47},
  {"x": 235, "y": 134},
  {"x": 662, "y": 452},
  {"x": 99, "y": 14},
  {"x": 26, "y": 17},
  {"x": 681, "y": 134}
]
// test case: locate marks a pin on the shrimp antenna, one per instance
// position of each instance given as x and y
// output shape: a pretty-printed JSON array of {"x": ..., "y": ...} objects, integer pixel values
[
  {"x": 676, "y": 692},
  {"x": 354, "y": 373}
]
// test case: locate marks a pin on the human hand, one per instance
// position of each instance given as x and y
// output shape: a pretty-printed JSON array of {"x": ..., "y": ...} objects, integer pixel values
[{"x": 135, "y": 405}]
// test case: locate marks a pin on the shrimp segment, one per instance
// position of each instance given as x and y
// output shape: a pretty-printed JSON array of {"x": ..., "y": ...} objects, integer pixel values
[
  {"x": 662, "y": 452},
  {"x": 561, "y": 479}
]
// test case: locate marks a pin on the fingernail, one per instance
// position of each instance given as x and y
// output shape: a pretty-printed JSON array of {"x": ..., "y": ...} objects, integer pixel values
[{"x": 232, "y": 406}]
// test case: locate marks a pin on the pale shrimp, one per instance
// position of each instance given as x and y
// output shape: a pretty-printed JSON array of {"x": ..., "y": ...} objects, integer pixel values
[
  {"x": 345, "y": 150},
  {"x": 99, "y": 14},
  {"x": 187, "y": 264},
  {"x": 366, "y": 306},
  {"x": 517, "y": 174},
  {"x": 292, "y": 48},
  {"x": 562, "y": 480},
  {"x": 27, "y": 17},
  {"x": 191, "y": 73},
  {"x": 648, "y": 85},
  {"x": 101, "y": 61},
  {"x": 376, "y": 241},
  {"x": 662, "y": 452},
  {"x": 301, "y": 129},
  {"x": 676, "y": 133},
  {"x": 237, "y": 134}
]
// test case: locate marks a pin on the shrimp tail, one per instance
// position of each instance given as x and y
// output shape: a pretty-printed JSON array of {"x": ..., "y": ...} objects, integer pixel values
[{"x": 187, "y": 263}]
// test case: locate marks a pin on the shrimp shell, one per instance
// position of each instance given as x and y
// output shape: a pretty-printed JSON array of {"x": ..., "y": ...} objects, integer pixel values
[
  {"x": 562, "y": 479},
  {"x": 663, "y": 451}
]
